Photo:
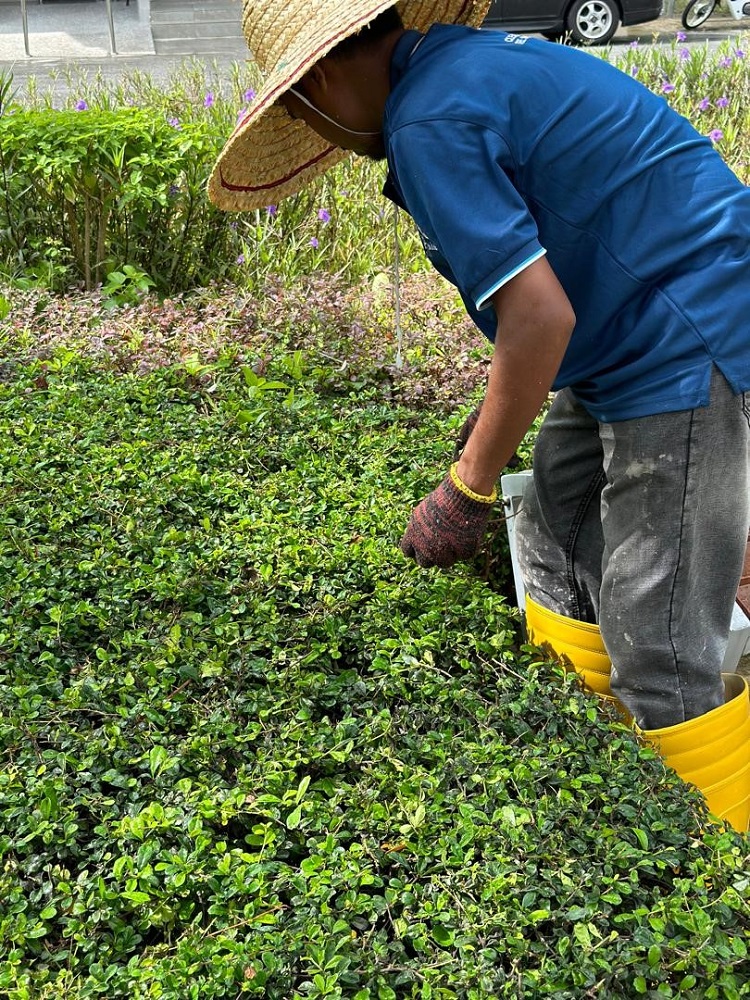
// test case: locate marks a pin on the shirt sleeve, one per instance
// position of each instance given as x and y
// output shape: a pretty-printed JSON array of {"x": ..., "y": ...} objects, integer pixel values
[{"x": 457, "y": 183}]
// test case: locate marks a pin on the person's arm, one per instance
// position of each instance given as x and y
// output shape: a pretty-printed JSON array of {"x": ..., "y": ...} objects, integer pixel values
[{"x": 535, "y": 321}]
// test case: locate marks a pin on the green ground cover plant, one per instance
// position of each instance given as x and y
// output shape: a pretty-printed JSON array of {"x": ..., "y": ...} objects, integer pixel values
[{"x": 247, "y": 749}]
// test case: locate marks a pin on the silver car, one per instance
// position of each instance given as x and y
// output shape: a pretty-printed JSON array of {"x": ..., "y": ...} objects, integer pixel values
[{"x": 587, "y": 22}]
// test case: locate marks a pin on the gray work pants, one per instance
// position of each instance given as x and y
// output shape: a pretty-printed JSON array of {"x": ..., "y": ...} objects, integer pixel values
[{"x": 640, "y": 526}]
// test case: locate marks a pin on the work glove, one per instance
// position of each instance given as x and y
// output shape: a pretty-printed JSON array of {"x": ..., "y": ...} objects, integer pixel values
[
  {"x": 465, "y": 433},
  {"x": 448, "y": 525}
]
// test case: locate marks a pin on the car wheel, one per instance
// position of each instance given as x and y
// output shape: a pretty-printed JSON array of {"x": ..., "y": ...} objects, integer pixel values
[
  {"x": 696, "y": 12},
  {"x": 593, "y": 22}
]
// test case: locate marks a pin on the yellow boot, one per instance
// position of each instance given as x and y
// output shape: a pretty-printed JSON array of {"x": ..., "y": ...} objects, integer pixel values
[
  {"x": 712, "y": 752},
  {"x": 577, "y": 644}
]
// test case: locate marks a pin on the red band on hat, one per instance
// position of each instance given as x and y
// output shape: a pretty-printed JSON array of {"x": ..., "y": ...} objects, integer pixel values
[
  {"x": 284, "y": 85},
  {"x": 282, "y": 180}
]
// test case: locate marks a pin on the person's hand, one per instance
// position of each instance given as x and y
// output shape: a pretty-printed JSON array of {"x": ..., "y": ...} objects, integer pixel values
[
  {"x": 465, "y": 433},
  {"x": 448, "y": 525}
]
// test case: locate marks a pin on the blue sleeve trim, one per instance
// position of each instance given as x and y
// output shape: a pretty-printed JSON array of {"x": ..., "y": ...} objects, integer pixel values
[{"x": 484, "y": 298}]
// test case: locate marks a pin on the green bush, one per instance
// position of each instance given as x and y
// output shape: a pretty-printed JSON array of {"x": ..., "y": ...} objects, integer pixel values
[
  {"x": 86, "y": 194},
  {"x": 249, "y": 751},
  {"x": 117, "y": 187}
]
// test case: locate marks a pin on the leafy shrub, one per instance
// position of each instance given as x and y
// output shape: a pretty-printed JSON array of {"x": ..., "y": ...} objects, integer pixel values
[
  {"x": 81, "y": 225},
  {"x": 107, "y": 190},
  {"x": 153, "y": 215},
  {"x": 249, "y": 751}
]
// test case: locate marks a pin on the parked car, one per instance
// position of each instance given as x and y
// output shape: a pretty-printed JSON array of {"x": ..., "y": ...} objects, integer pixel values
[{"x": 587, "y": 22}]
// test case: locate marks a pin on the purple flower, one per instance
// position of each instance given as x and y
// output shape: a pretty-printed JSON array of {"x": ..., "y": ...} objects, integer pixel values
[
  {"x": 723, "y": 102},
  {"x": 272, "y": 210},
  {"x": 324, "y": 215},
  {"x": 634, "y": 45},
  {"x": 726, "y": 62},
  {"x": 173, "y": 190},
  {"x": 174, "y": 122},
  {"x": 314, "y": 243},
  {"x": 208, "y": 100},
  {"x": 667, "y": 87},
  {"x": 684, "y": 54},
  {"x": 634, "y": 70},
  {"x": 249, "y": 95},
  {"x": 704, "y": 105},
  {"x": 681, "y": 36},
  {"x": 740, "y": 53},
  {"x": 234, "y": 225},
  {"x": 81, "y": 106},
  {"x": 715, "y": 135},
  {"x": 241, "y": 259}
]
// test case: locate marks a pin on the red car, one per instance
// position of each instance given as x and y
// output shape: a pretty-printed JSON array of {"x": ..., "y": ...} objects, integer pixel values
[{"x": 588, "y": 22}]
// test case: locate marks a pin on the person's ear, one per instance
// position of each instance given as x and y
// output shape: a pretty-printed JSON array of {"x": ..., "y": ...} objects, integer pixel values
[{"x": 316, "y": 79}]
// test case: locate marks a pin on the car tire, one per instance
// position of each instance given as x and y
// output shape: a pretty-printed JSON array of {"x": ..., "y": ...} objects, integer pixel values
[
  {"x": 696, "y": 12},
  {"x": 593, "y": 22}
]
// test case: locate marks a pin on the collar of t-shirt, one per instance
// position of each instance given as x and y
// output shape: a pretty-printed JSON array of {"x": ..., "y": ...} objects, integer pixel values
[{"x": 401, "y": 54}]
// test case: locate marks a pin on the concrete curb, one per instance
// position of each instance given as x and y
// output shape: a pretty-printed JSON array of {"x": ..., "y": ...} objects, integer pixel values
[{"x": 716, "y": 28}]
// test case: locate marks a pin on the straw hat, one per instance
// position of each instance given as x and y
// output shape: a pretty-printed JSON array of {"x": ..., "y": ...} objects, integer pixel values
[{"x": 270, "y": 156}]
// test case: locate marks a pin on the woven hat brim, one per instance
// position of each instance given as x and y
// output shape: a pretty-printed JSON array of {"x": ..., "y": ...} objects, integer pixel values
[{"x": 271, "y": 156}]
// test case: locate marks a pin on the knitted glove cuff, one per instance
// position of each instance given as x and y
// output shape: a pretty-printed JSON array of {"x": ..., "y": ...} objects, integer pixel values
[{"x": 467, "y": 492}]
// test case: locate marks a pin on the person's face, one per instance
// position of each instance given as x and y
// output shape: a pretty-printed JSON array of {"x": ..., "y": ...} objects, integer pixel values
[{"x": 333, "y": 110}]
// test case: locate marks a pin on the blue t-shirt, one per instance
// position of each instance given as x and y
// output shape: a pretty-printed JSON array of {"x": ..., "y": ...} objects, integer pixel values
[{"x": 503, "y": 148}]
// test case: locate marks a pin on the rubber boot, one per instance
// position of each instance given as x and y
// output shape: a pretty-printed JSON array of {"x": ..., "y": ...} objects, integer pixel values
[
  {"x": 712, "y": 752},
  {"x": 577, "y": 644}
]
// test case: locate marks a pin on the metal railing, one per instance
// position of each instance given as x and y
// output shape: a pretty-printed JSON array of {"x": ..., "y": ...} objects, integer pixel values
[{"x": 110, "y": 23}]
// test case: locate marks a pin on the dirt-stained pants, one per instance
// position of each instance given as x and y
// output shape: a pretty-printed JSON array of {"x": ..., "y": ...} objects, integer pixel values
[{"x": 640, "y": 526}]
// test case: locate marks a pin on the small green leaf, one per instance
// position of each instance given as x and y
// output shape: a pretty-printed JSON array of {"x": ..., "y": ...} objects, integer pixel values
[
  {"x": 442, "y": 935},
  {"x": 641, "y": 837},
  {"x": 294, "y": 817},
  {"x": 582, "y": 936},
  {"x": 36, "y": 932},
  {"x": 157, "y": 758},
  {"x": 302, "y": 788},
  {"x": 137, "y": 897}
]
